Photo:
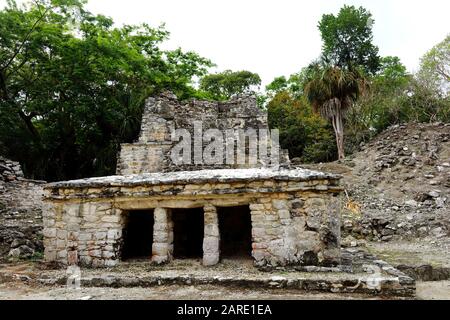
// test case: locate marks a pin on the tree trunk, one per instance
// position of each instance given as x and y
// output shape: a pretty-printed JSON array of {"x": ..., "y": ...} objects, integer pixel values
[
  {"x": 3, "y": 92},
  {"x": 30, "y": 126},
  {"x": 26, "y": 119},
  {"x": 338, "y": 127}
]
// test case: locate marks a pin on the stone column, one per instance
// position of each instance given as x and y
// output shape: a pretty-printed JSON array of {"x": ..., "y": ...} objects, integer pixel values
[
  {"x": 162, "y": 247},
  {"x": 211, "y": 238},
  {"x": 260, "y": 215}
]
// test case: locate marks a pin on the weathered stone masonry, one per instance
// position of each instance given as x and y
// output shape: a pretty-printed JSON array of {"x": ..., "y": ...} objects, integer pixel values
[
  {"x": 295, "y": 217},
  {"x": 162, "y": 115},
  {"x": 20, "y": 212},
  {"x": 18, "y": 194},
  {"x": 295, "y": 214}
]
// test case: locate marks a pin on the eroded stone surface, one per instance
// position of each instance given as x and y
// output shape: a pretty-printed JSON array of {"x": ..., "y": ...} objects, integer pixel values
[
  {"x": 281, "y": 234},
  {"x": 200, "y": 177},
  {"x": 295, "y": 213},
  {"x": 163, "y": 114},
  {"x": 20, "y": 212}
]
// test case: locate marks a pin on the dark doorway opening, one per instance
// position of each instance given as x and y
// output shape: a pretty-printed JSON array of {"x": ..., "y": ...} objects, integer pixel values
[
  {"x": 235, "y": 227},
  {"x": 188, "y": 232},
  {"x": 138, "y": 235}
]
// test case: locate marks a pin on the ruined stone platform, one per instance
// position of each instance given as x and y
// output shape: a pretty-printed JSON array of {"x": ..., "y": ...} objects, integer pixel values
[
  {"x": 278, "y": 215},
  {"x": 352, "y": 278},
  {"x": 294, "y": 214}
]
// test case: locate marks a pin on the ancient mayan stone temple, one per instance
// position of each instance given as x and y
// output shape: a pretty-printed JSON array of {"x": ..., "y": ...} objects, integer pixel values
[{"x": 154, "y": 209}]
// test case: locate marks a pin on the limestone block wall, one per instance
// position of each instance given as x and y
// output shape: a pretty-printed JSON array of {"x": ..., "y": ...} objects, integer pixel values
[
  {"x": 20, "y": 212},
  {"x": 302, "y": 228},
  {"x": 17, "y": 194},
  {"x": 163, "y": 114},
  {"x": 137, "y": 158},
  {"x": 86, "y": 233},
  {"x": 293, "y": 222}
]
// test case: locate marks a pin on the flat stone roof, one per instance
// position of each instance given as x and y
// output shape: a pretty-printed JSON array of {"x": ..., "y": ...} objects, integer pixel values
[{"x": 198, "y": 177}]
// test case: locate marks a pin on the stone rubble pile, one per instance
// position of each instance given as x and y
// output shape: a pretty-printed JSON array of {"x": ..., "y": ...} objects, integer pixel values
[
  {"x": 20, "y": 213},
  {"x": 401, "y": 180},
  {"x": 9, "y": 170}
]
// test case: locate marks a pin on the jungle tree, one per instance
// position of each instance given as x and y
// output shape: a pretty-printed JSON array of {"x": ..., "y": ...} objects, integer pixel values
[{"x": 331, "y": 91}]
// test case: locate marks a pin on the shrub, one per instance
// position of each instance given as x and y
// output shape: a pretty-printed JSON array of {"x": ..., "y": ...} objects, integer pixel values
[{"x": 305, "y": 134}]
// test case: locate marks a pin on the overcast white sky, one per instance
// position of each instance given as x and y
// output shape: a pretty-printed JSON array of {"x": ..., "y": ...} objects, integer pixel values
[{"x": 279, "y": 37}]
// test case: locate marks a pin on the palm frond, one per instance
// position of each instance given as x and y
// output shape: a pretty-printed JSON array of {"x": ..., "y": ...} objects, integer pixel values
[{"x": 333, "y": 89}]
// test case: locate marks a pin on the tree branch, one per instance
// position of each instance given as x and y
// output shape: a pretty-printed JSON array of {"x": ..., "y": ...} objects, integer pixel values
[{"x": 17, "y": 51}]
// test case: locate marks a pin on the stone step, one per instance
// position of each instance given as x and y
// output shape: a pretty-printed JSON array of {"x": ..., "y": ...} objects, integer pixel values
[{"x": 388, "y": 285}]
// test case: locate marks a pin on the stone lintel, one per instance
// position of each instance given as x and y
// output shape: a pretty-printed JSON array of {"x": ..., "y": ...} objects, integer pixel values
[
  {"x": 198, "y": 177},
  {"x": 207, "y": 184}
]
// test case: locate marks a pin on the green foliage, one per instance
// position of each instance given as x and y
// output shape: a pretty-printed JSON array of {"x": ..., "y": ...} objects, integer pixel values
[
  {"x": 391, "y": 95},
  {"x": 336, "y": 82},
  {"x": 37, "y": 256},
  {"x": 221, "y": 86},
  {"x": 377, "y": 110},
  {"x": 434, "y": 73},
  {"x": 392, "y": 74},
  {"x": 332, "y": 89},
  {"x": 72, "y": 86},
  {"x": 277, "y": 85},
  {"x": 347, "y": 39},
  {"x": 294, "y": 84},
  {"x": 302, "y": 132},
  {"x": 422, "y": 104},
  {"x": 395, "y": 97}
]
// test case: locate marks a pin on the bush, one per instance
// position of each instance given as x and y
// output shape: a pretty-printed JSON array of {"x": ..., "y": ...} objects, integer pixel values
[
  {"x": 395, "y": 97},
  {"x": 305, "y": 134}
]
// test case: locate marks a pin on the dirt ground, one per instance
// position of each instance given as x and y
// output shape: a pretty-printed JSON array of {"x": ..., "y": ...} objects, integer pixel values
[
  {"x": 17, "y": 282},
  {"x": 21, "y": 287},
  {"x": 20, "y": 291},
  {"x": 439, "y": 290},
  {"x": 433, "y": 290},
  {"x": 412, "y": 253}
]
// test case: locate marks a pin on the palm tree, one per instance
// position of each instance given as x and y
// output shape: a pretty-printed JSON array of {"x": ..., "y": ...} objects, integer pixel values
[{"x": 331, "y": 91}]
